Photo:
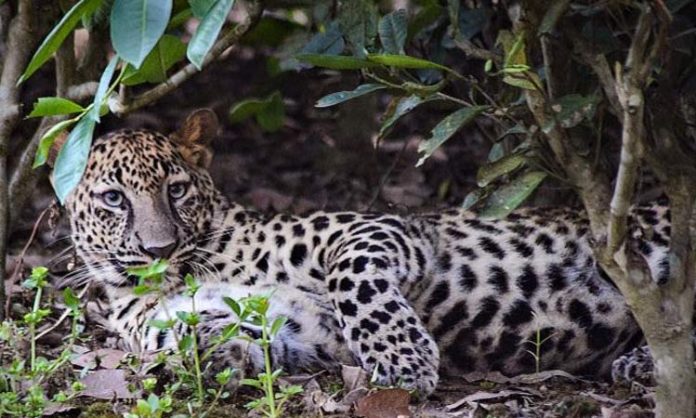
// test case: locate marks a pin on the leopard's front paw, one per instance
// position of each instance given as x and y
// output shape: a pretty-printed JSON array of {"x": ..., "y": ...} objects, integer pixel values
[
  {"x": 407, "y": 364},
  {"x": 634, "y": 366}
]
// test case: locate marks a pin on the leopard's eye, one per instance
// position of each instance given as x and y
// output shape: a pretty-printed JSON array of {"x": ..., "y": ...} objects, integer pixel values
[
  {"x": 113, "y": 198},
  {"x": 177, "y": 190}
]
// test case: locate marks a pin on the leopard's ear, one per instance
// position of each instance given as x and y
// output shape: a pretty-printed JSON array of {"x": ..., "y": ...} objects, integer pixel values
[
  {"x": 194, "y": 137},
  {"x": 55, "y": 148}
]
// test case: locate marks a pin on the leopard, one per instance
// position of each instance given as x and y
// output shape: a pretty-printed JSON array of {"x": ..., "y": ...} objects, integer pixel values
[{"x": 408, "y": 298}]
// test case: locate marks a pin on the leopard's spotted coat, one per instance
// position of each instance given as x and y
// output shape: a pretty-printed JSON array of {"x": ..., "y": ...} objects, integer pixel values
[{"x": 416, "y": 297}]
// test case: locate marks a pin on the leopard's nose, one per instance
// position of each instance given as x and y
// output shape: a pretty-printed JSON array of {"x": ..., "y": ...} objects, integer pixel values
[{"x": 159, "y": 251}]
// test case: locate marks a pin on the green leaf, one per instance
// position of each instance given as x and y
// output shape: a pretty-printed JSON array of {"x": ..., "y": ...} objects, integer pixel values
[
  {"x": 404, "y": 61},
  {"x": 392, "y": 31},
  {"x": 71, "y": 300},
  {"x": 168, "y": 51},
  {"x": 185, "y": 343},
  {"x": 446, "y": 128},
  {"x": 47, "y": 140},
  {"x": 335, "y": 62},
  {"x": 473, "y": 198},
  {"x": 251, "y": 382},
  {"x": 188, "y": 318},
  {"x": 509, "y": 196},
  {"x": 156, "y": 269},
  {"x": 269, "y": 112},
  {"x": 207, "y": 32},
  {"x": 572, "y": 109},
  {"x": 358, "y": 22},
  {"x": 527, "y": 81},
  {"x": 342, "y": 96},
  {"x": 489, "y": 172},
  {"x": 329, "y": 42},
  {"x": 554, "y": 12},
  {"x": 278, "y": 324},
  {"x": 103, "y": 86},
  {"x": 200, "y": 8},
  {"x": 161, "y": 323},
  {"x": 52, "y": 106},
  {"x": 136, "y": 26},
  {"x": 72, "y": 159},
  {"x": 272, "y": 116},
  {"x": 405, "y": 105},
  {"x": 245, "y": 109},
  {"x": 58, "y": 34},
  {"x": 234, "y": 306}
]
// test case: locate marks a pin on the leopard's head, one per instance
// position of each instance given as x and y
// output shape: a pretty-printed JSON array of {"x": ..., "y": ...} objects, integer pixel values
[{"x": 145, "y": 196}]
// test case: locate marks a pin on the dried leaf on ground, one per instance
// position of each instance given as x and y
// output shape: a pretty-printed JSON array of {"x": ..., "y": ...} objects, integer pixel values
[
  {"x": 353, "y": 377},
  {"x": 489, "y": 396},
  {"x": 107, "y": 384},
  {"x": 105, "y": 358},
  {"x": 387, "y": 403}
]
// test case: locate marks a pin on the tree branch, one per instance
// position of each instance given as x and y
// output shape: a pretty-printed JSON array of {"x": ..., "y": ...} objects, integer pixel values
[
  {"x": 599, "y": 65},
  {"x": 472, "y": 51},
  {"x": 176, "y": 79}
]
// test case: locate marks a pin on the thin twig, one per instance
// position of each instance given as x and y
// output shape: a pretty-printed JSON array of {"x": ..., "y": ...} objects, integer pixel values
[
  {"x": 472, "y": 51},
  {"x": 387, "y": 174},
  {"x": 20, "y": 259},
  {"x": 175, "y": 80},
  {"x": 64, "y": 315}
]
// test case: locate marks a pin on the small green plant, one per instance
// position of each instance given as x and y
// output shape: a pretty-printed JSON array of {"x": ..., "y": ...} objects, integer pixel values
[
  {"x": 537, "y": 343},
  {"x": 24, "y": 389},
  {"x": 189, "y": 367},
  {"x": 254, "y": 309}
]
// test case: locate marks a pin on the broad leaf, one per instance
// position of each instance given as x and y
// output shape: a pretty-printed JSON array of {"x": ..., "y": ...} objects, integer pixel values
[
  {"x": 335, "y": 62},
  {"x": 517, "y": 72},
  {"x": 552, "y": 15},
  {"x": 342, "y": 96},
  {"x": 489, "y": 172},
  {"x": 472, "y": 21},
  {"x": 58, "y": 34},
  {"x": 136, "y": 26},
  {"x": 162, "y": 323},
  {"x": 47, "y": 140},
  {"x": 200, "y": 8},
  {"x": 169, "y": 51},
  {"x": 508, "y": 197},
  {"x": 473, "y": 198},
  {"x": 269, "y": 112},
  {"x": 278, "y": 324},
  {"x": 405, "y": 105},
  {"x": 358, "y": 22},
  {"x": 72, "y": 159},
  {"x": 246, "y": 108},
  {"x": 207, "y": 32},
  {"x": 446, "y": 128},
  {"x": 572, "y": 109},
  {"x": 404, "y": 61},
  {"x": 52, "y": 106},
  {"x": 329, "y": 42},
  {"x": 392, "y": 31},
  {"x": 272, "y": 117},
  {"x": 102, "y": 88}
]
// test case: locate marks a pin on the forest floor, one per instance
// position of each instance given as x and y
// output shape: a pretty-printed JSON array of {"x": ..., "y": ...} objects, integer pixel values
[{"x": 301, "y": 168}]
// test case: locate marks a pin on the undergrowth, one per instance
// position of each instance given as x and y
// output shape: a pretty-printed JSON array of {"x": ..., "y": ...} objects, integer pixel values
[{"x": 27, "y": 379}]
